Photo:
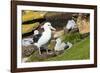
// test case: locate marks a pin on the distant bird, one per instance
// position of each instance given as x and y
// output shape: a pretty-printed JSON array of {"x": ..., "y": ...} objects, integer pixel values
[
  {"x": 71, "y": 24},
  {"x": 36, "y": 36},
  {"x": 45, "y": 37},
  {"x": 61, "y": 45},
  {"x": 27, "y": 41}
]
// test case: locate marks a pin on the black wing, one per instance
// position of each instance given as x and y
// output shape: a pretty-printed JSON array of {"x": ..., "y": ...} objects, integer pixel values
[{"x": 36, "y": 37}]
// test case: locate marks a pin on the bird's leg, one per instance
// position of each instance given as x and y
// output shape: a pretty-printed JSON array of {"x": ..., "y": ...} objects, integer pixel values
[
  {"x": 39, "y": 51},
  {"x": 47, "y": 51}
]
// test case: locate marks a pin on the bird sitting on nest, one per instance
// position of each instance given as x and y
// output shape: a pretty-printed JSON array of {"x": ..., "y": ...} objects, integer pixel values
[
  {"x": 61, "y": 46},
  {"x": 45, "y": 37}
]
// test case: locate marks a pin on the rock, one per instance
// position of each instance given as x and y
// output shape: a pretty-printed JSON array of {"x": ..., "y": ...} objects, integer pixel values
[
  {"x": 58, "y": 34},
  {"x": 74, "y": 30},
  {"x": 84, "y": 35},
  {"x": 28, "y": 50},
  {"x": 26, "y": 28},
  {"x": 83, "y": 24},
  {"x": 30, "y": 15}
]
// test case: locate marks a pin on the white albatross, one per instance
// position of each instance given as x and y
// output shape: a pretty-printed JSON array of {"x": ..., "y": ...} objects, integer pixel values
[
  {"x": 71, "y": 24},
  {"x": 61, "y": 45},
  {"x": 45, "y": 37}
]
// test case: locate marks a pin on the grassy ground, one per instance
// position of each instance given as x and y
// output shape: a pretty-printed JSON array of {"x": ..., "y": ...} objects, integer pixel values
[{"x": 79, "y": 51}]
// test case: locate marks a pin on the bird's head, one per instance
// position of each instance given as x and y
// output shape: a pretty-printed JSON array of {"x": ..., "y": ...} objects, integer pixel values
[
  {"x": 36, "y": 32},
  {"x": 48, "y": 25}
]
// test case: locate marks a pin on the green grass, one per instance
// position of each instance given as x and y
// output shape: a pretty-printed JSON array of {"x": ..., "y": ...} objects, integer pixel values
[
  {"x": 71, "y": 37},
  {"x": 79, "y": 51}
]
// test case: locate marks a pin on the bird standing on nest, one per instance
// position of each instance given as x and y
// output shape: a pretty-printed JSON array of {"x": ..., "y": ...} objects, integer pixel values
[{"x": 45, "y": 37}]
